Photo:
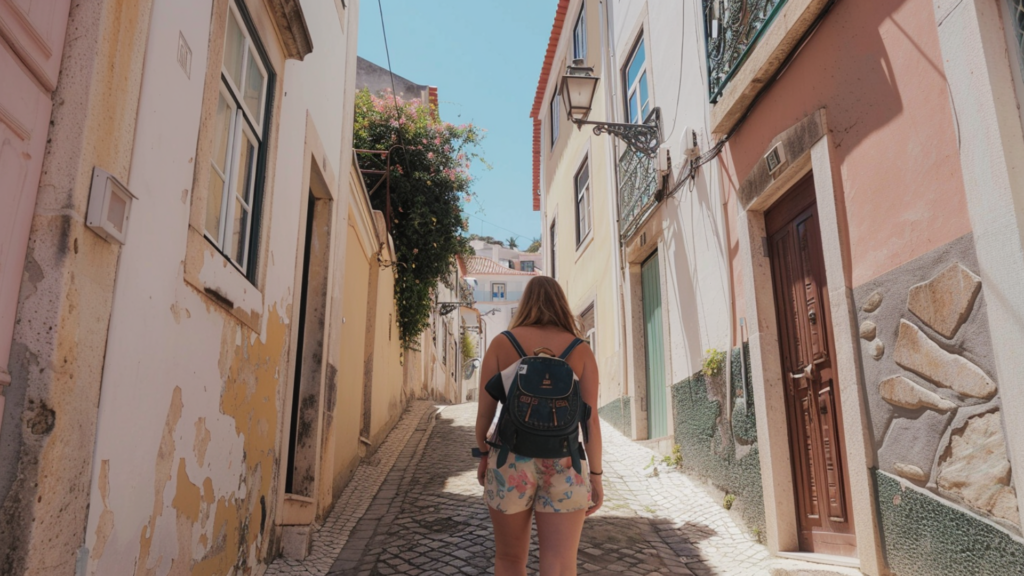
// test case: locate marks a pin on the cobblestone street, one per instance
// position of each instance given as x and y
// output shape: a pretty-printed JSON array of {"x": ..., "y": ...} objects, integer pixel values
[{"x": 416, "y": 508}]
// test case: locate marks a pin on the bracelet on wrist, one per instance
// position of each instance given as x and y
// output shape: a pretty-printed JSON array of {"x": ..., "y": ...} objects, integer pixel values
[{"x": 592, "y": 473}]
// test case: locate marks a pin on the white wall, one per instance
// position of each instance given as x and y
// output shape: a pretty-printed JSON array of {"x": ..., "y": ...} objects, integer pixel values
[
  {"x": 168, "y": 345},
  {"x": 694, "y": 251}
]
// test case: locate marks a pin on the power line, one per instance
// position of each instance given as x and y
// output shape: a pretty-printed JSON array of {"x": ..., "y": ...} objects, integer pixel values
[
  {"x": 394, "y": 91},
  {"x": 518, "y": 235}
]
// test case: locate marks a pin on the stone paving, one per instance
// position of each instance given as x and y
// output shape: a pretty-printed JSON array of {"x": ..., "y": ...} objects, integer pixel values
[{"x": 420, "y": 511}]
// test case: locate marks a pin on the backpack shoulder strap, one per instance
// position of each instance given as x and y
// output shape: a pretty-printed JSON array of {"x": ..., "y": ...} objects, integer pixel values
[
  {"x": 515, "y": 343},
  {"x": 572, "y": 346}
]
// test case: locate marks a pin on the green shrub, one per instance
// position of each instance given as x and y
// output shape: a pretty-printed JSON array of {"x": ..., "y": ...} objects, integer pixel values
[
  {"x": 714, "y": 361},
  {"x": 429, "y": 180}
]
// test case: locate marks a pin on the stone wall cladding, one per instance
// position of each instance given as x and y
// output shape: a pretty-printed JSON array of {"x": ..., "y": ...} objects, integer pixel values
[
  {"x": 923, "y": 535},
  {"x": 720, "y": 450},
  {"x": 617, "y": 413},
  {"x": 934, "y": 373}
]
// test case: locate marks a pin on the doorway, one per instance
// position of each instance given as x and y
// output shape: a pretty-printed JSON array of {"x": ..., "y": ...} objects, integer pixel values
[
  {"x": 300, "y": 478},
  {"x": 654, "y": 348},
  {"x": 807, "y": 349}
]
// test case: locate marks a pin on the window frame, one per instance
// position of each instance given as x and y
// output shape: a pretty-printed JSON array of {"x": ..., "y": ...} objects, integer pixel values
[
  {"x": 583, "y": 196},
  {"x": 243, "y": 125},
  {"x": 629, "y": 88},
  {"x": 523, "y": 263},
  {"x": 579, "y": 34},
  {"x": 555, "y": 109},
  {"x": 504, "y": 291}
]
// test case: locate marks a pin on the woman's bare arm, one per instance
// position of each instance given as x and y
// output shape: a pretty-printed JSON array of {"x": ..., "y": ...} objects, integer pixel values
[
  {"x": 590, "y": 380},
  {"x": 486, "y": 405}
]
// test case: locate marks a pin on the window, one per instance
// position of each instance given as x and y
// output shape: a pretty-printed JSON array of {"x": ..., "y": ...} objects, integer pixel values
[
  {"x": 638, "y": 102},
  {"x": 582, "y": 202},
  {"x": 551, "y": 235},
  {"x": 240, "y": 127},
  {"x": 555, "y": 118},
  {"x": 497, "y": 291},
  {"x": 527, "y": 265},
  {"x": 579, "y": 35}
]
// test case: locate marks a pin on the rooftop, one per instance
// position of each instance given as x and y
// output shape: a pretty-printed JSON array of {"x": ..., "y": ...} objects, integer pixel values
[{"x": 480, "y": 265}]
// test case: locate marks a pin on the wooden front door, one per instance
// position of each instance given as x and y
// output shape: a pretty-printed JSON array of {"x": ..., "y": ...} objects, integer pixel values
[
  {"x": 31, "y": 44},
  {"x": 821, "y": 481},
  {"x": 654, "y": 346}
]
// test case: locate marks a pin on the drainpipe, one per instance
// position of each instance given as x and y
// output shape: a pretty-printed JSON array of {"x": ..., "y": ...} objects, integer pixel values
[
  {"x": 608, "y": 64},
  {"x": 732, "y": 302}
]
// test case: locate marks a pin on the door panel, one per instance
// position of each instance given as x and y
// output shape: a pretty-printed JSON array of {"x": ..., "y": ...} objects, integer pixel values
[
  {"x": 657, "y": 396},
  {"x": 24, "y": 123},
  {"x": 34, "y": 29},
  {"x": 807, "y": 350}
]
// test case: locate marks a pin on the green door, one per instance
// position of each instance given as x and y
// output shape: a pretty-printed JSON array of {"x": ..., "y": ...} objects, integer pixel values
[{"x": 657, "y": 397}]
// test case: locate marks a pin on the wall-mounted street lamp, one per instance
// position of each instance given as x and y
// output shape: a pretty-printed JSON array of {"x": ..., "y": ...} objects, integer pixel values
[{"x": 578, "y": 88}]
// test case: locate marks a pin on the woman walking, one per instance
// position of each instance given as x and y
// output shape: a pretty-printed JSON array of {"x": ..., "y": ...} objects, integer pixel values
[{"x": 533, "y": 461}]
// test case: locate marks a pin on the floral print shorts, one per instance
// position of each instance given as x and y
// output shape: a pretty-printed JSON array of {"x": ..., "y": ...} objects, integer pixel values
[{"x": 544, "y": 484}]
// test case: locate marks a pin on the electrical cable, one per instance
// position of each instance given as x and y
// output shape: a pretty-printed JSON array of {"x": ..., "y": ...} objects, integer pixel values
[
  {"x": 394, "y": 91},
  {"x": 518, "y": 235}
]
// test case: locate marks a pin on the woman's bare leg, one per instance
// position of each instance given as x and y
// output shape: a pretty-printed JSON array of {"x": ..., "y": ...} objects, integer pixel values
[
  {"x": 511, "y": 542},
  {"x": 559, "y": 535}
]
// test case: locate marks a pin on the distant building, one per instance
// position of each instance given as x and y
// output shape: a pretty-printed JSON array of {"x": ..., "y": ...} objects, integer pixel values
[{"x": 498, "y": 276}]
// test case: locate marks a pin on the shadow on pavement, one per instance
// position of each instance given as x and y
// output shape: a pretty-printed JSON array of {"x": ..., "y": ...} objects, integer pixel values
[{"x": 442, "y": 525}]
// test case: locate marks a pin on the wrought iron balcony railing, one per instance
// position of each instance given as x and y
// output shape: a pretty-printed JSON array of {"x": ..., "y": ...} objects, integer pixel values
[
  {"x": 638, "y": 188},
  {"x": 731, "y": 30},
  {"x": 1017, "y": 18}
]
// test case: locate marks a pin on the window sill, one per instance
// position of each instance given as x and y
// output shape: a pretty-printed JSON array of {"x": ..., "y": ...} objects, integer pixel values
[
  {"x": 795, "y": 17},
  {"x": 582, "y": 246},
  {"x": 209, "y": 272}
]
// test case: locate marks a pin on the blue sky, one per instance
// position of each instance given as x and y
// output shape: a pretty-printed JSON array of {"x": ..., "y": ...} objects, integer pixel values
[{"x": 484, "y": 56}]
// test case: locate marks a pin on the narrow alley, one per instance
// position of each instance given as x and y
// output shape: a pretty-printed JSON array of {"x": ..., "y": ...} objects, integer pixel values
[
  {"x": 255, "y": 256},
  {"x": 416, "y": 508}
]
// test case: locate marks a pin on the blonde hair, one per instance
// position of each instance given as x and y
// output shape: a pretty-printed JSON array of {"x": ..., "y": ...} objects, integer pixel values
[{"x": 544, "y": 304}]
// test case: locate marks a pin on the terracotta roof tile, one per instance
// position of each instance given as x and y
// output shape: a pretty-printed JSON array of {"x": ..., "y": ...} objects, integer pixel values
[
  {"x": 538, "y": 99},
  {"x": 481, "y": 265}
]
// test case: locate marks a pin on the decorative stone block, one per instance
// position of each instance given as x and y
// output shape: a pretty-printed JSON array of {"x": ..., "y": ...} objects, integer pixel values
[
  {"x": 874, "y": 301},
  {"x": 902, "y": 392},
  {"x": 877, "y": 349},
  {"x": 296, "y": 542},
  {"x": 974, "y": 468},
  {"x": 868, "y": 330},
  {"x": 917, "y": 353},
  {"x": 910, "y": 472},
  {"x": 945, "y": 302}
]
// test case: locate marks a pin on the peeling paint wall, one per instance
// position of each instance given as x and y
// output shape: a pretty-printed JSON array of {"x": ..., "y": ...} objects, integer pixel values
[{"x": 193, "y": 416}]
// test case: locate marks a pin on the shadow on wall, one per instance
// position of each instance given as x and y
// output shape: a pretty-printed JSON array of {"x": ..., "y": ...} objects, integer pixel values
[
  {"x": 443, "y": 510},
  {"x": 718, "y": 448},
  {"x": 617, "y": 413}
]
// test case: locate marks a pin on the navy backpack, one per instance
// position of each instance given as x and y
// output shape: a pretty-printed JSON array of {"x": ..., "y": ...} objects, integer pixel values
[{"x": 542, "y": 408}]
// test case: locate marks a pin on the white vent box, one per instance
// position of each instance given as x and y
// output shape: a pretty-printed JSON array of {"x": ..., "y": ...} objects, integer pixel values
[{"x": 110, "y": 205}]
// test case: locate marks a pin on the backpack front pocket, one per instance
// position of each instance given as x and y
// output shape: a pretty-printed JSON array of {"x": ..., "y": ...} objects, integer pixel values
[{"x": 544, "y": 414}]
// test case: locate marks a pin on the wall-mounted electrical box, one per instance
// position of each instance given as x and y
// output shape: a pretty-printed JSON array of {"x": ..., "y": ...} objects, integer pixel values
[
  {"x": 688, "y": 143},
  {"x": 110, "y": 205}
]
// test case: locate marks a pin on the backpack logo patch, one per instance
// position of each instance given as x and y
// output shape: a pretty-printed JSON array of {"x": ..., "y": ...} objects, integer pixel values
[
  {"x": 522, "y": 368},
  {"x": 546, "y": 382}
]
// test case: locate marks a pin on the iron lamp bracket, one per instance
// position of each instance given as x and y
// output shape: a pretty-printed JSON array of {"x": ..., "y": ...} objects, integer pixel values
[{"x": 643, "y": 138}]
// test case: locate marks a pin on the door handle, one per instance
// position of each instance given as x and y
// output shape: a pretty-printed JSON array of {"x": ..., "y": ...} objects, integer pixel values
[{"x": 805, "y": 373}]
